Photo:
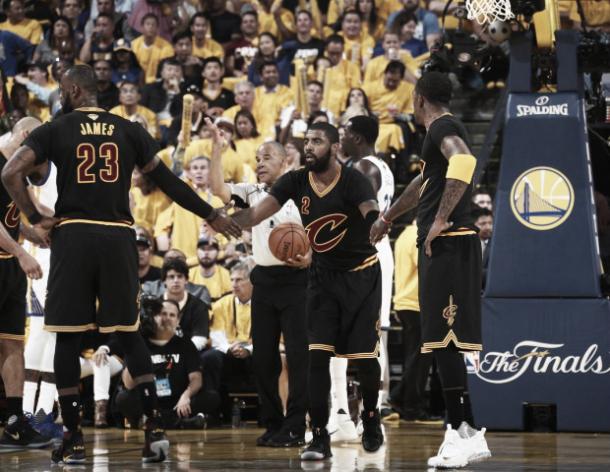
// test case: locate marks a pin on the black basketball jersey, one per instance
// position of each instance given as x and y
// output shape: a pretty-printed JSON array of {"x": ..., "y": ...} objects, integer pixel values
[
  {"x": 9, "y": 213},
  {"x": 434, "y": 168},
  {"x": 337, "y": 232},
  {"x": 95, "y": 153}
]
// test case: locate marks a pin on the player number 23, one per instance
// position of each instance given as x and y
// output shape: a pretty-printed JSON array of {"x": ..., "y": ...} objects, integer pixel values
[{"x": 87, "y": 155}]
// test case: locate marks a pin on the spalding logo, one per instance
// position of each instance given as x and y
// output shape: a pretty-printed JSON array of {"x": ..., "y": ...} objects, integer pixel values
[{"x": 542, "y": 198}]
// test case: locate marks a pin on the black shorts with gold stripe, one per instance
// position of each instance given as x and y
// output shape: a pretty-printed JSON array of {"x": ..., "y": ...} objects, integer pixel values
[
  {"x": 450, "y": 293},
  {"x": 13, "y": 287},
  {"x": 93, "y": 279},
  {"x": 343, "y": 310}
]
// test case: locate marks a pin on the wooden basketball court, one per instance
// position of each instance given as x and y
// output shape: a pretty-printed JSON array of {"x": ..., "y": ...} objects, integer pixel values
[{"x": 408, "y": 447}]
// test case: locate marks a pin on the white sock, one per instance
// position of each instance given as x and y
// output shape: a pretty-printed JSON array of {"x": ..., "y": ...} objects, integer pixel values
[
  {"x": 338, "y": 385},
  {"x": 29, "y": 396},
  {"x": 46, "y": 399},
  {"x": 101, "y": 382},
  {"x": 383, "y": 364}
]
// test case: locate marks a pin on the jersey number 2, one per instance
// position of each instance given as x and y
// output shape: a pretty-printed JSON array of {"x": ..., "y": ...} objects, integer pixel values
[{"x": 87, "y": 154}]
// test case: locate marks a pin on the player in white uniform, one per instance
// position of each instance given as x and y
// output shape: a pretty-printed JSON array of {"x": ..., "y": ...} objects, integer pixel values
[
  {"x": 358, "y": 142},
  {"x": 40, "y": 345},
  {"x": 277, "y": 300}
]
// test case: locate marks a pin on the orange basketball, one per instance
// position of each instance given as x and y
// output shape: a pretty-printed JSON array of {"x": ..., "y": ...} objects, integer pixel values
[{"x": 287, "y": 240}]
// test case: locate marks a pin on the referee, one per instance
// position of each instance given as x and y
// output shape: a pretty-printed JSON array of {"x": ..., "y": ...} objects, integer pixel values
[{"x": 277, "y": 300}]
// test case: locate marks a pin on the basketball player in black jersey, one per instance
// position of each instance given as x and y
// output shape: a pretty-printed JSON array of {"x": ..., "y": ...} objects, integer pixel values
[
  {"x": 337, "y": 206},
  {"x": 449, "y": 261},
  {"x": 93, "y": 250}
]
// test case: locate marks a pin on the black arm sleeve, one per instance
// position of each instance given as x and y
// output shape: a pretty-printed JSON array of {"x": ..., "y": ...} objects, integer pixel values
[{"x": 180, "y": 192}]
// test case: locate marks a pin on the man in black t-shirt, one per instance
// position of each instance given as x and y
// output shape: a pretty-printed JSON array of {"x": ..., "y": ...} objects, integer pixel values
[
  {"x": 146, "y": 272},
  {"x": 304, "y": 46},
  {"x": 337, "y": 206},
  {"x": 93, "y": 253},
  {"x": 449, "y": 261}
]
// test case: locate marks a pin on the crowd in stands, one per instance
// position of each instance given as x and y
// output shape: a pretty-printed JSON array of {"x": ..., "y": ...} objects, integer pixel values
[{"x": 263, "y": 70}]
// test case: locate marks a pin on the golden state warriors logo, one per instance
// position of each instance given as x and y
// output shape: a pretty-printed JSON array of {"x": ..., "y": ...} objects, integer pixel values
[{"x": 542, "y": 198}]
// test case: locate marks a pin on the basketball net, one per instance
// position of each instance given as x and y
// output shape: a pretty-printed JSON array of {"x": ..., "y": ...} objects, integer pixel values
[{"x": 488, "y": 11}]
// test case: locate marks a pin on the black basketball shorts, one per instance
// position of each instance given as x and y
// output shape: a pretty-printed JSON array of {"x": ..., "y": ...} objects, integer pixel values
[
  {"x": 343, "y": 311},
  {"x": 93, "y": 280},
  {"x": 13, "y": 286},
  {"x": 450, "y": 293}
]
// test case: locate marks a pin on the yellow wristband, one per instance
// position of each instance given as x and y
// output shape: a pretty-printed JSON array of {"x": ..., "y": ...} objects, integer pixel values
[{"x": 461, "y": 167}]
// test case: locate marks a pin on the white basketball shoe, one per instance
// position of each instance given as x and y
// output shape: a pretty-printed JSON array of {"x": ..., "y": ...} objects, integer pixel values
[
  {"x": 341, "y": 428},
  {"x": 477, "y": 445},
  {"x": 453, "y": 453}
]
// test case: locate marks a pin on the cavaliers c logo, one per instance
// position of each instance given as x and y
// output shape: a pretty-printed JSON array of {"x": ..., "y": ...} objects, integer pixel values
[
  {"x": 314, "y": 228},
  {"x": 542, "y": 198},
  {"x": 11, "y": 220}
]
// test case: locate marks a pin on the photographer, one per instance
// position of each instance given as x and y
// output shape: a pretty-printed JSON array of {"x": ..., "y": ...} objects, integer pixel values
[{"x": 176, "y": 369}]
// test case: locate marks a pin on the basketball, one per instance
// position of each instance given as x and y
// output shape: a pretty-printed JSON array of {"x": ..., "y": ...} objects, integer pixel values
[{"x": 287, "y": 240}]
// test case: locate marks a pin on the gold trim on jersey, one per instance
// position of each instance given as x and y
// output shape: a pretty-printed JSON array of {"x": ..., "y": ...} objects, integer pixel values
[
  {"x": 369, "y": 261},
  {"x": 327, "y": 190},
  {"x": 6, "y": 255},
  {"x": 361, "y": 355},
  {"x": 91, "y": 109},
  {"x": 70, "y": 221},
  {"x": 12, "y": 337},
  {"x": 69, "y": 329},
  {"x": 459, "y": 232},
  {"x": 322, "y": 347},
  {"x": 451, "y": 337},
  {"x": 122, "y": 328}
]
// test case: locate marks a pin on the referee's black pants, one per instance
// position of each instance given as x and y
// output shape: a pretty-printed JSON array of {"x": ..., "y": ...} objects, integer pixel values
[{"x": 278, "y": 307}]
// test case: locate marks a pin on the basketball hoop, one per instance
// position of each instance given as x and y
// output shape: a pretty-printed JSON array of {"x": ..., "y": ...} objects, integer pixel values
[{"x": 488, "y": 11}]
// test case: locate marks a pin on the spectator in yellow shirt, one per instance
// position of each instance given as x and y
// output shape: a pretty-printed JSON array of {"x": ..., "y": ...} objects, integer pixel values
[
  {"x": 17, "y": 23},
  {"x": 129, "y": 97},
  {"x": 272, "y": 96},
  {"x": 274, "y": 19},
  {"x": 244, "y": 99},
  {"x": 340, "y": 77},
  {"x": 391, "y": 51},
  {"x": 203, "y": 46},
  {"x": 596, "y": 12},
  {"x": 209, "y": 272},
  {"x": 358, "y": 45},
  {"x": 372, "y": 24},
  {"x": 391, "y": 98},
  {"x": 247, "y": 137},
  {"x": 150, "y": 48},
  {"x": 148, "y": 200}
]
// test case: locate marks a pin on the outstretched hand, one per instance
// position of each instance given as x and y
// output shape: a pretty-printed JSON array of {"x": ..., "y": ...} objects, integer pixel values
[
  {"x": 224, "y": 224},
  {"x": 378, "y": 230}
]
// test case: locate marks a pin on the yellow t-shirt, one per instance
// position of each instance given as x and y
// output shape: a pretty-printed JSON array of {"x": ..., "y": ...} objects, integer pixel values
[
  {"x": 27, "y": 28},
  {"x": 597, "y": 12},
  {"x": 149, "y": 57},
  {"x": 405, "y": 270},
  {"x": 184, "y": 226},
  {"x": 380, "y": 98},
  {"x": 152, "y": 124},
  {"x": 362, "y": 46},
  {"x": 272, "y": 102},
  {"x": 232, "y": 163},
  {"x": 209, "y": 49},
  {"x": 218, "y": 284},
  {"x": 246, "y": 148},
  {"x": 268, "y": 24},
  {"x": 265, "y": 122},
  {"x": 338, "y": 82},
  {"x": 376, "y": 67},
  {"x": 148, "y": 207},
  {"x": 233, "y": 318}
]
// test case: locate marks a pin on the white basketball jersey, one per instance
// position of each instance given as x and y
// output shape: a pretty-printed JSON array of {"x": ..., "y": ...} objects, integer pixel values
[{"x": 386, "y": 189}]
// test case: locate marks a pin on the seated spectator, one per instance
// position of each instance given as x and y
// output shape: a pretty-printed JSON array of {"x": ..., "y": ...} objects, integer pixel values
[
  {"x": 292, "y": 123},
  {"x": 156, "y": 288},
  {"x": 225, "y": 25},
  {"x": 405, "y": 26},
  {"x": 194, "y": 317},
  {"x": 482, "y": 198},
  {"x": 247, "y": 137},
  {"x": 146, "y": 272},
  {"x": 16, "y": 50},
  {"x": 159, "y": 9},
  {"x": 267, "y": 45},
  {"x": 40, "y": 88},
  {"x": 295, "y": 154},
  {"x": 73, "y": 11},
  {"x": 192, "y": 66},
  {"x": 229, "y": 362},
  {"x": 103, "y": 367},
  {"x": 120, "y": 25},
  {"x": 341, "y": 76},
  {"x": 177, "y": 372},
  {"x": 275, "y": 19},
  {"x": 391, "y": 52},
  {"x": 234, "y": 59},
  {"x": 125, "y": 67},
  {"x": 148, "y": 201},
  {"x": 100, "y": 44},
  {"x": 17, "y": 23},
  {"x": 428, "y": 29},
  {"x": 217, "y": 95},
  {"x": 150, "y": 48},
  {"x": 59, "y": 34},
  {"x": 272, "y": 97},
  {"x": 357, "y": 104},
  {"x": 204, "y": 47},
  {"x": 158, "y": 96},
  {"x": 209, "y": 272},
  {"x": 304, "y": 46},
  {"x": 244, "y": 99},
  {"x": 372, "y": 24},
  {"x": 392, "y": 98},
  {"x": 129, "y": 97},
  {"x": 358, "y": 45},
  {"x": 20, "y": 99},
  {"x": 107, "y": 92}
]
